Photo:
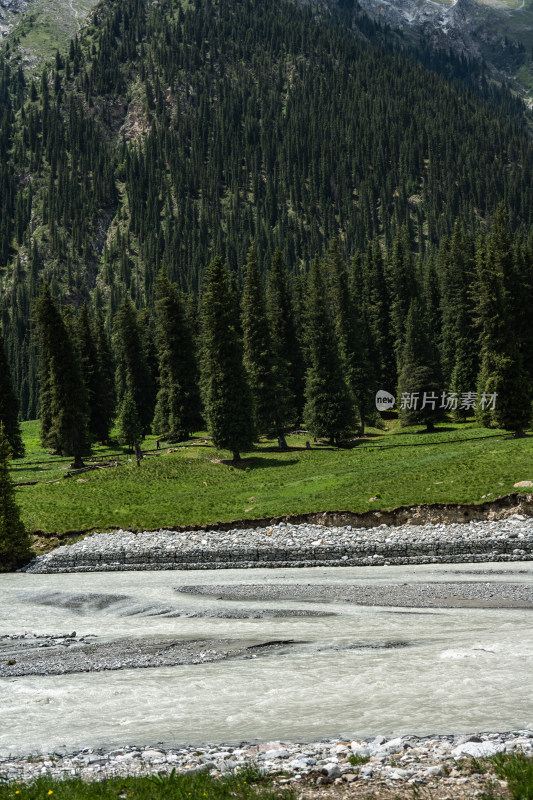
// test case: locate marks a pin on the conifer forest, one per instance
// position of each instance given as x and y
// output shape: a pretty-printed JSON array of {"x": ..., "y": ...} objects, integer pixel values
[{"x": 251, "y": 216}]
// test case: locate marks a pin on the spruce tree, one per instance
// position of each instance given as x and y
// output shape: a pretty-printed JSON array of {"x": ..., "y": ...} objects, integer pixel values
[
  {"x": 503, "y": 373},
  {"x": 460, "y": 345},
  {"x": 63, "y": 399},
  {"x": 46, "y": 330},
  {"x": 349, "y": 330},
  {"x": 329, "y": 409},
  {"x": 130, "y": 428},
  {"x": 266, "y": 370},
  {"x": 90, "y": 368},
  {"x": 365, "y": 376},
  {"x": 145, "y": 321},
  {"x": 106, "y": 399},
  {"x": 381, "y": 342},
  {"x": 432, "y": 300},
  {"x": 521, "y": 292},
  {"x": 227, "y": 398},
  {"x": 403, "y": 287},
  {"x": 15, "y": 542},
  {"x": 133, "y": 372},
  {"x": 286, "y": 344},
  {"x": 177, "y": 411},
  {"x": 9, "y": 407},
  {"x": 419, "y": 384}
]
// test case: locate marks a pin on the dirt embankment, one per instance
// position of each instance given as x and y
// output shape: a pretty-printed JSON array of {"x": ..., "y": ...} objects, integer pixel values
[{"x": 428, "y": 513}]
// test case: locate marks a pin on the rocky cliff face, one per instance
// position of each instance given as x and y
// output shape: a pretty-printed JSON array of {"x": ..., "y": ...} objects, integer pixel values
[
  {"x": 35, "y": 29},
  {"x": 496, "y": 31},
  {"x": 11, "y": 13}
]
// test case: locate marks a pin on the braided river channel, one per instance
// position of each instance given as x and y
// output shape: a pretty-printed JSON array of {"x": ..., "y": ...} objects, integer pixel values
[{"x": 228, "y": 656}]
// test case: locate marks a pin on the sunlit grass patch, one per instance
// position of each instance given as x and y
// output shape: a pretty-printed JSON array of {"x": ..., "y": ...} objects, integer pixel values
[{"x": 192, "y": 483}]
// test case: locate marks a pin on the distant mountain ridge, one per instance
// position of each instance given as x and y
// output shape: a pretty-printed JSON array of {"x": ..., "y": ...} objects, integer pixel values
[
  {"x": 495, "y": 33},
  {"x": 34, "y": 29}
]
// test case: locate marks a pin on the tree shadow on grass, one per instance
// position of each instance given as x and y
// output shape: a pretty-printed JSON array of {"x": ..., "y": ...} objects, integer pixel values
[
  {"x": 299, "y": 449},
  {"x": 21, "y": 468},
  {"x": 424, "y": 431},
  {"x": 256, "y": 462}
]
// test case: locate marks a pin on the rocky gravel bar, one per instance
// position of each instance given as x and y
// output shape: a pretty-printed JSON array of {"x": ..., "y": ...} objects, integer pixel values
[
  {"x": 422, "y": 594},
  {"x": 295, "y": 545},
  {"x": 33, "y": 654},
  {"x": 409, "y": 761}
]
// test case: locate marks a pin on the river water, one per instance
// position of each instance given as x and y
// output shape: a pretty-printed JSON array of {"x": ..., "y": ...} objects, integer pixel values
[{"x": 450, "y": 670}]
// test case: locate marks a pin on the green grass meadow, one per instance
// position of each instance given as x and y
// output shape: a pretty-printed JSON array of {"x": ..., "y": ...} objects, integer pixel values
[
  {"x": 194, "y": 484},
  {"x": 246, "y": 785}
]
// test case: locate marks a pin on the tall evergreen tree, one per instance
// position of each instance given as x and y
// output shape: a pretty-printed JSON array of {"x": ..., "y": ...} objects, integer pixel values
[
  {"x": 284, "y": 332},
  {"x": 106, "y": 399},
  {"x": 146, "y": 324},
  {"x": 419, "y": 384},
  {"x": 432, "y": 300},
  {"x": 90, "y": 368},
  {"x": 63, "y": 399},
  {"x": 349, "y": 330},
  {"x": 377, "y": 306},
  {"x": 403, "y": 288},
  {"x": 460, "y": 346},
  {"x": 267, "y": 371},
  {"x": 365, "y": 381},
  {"x": 130, "y": 428},
  {"x": 177, "y": 411},
  {"x": 9, "y": 407},
  {"x": 48, "y": 330},
  {"x": 227, "y": 398},
  {"x": 503, "y": 373},
  {"x": 133, "y": 372},
  {"x": 15, "y": 542},
  {"x": 329, "y": 409},
  {"x": 521, "y": 291}
]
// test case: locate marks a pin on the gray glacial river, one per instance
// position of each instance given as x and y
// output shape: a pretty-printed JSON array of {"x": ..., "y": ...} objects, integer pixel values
[{"x": 449, "y": 670}]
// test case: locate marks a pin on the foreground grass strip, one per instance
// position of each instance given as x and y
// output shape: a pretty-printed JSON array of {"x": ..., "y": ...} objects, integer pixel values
[
  {"x": 246, "y": 785},
  {"x": 517, "y": 770}
]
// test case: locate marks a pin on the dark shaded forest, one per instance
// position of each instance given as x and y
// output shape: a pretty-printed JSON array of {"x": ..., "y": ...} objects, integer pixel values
[{"x": 396, "y": 195}]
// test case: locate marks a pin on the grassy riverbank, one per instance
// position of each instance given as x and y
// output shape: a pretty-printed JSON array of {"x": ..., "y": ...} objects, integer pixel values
[
  {"x": 516, "y": 770},
  {"x": 192, "y": 484},
  {"x": 247, "y": 785}
]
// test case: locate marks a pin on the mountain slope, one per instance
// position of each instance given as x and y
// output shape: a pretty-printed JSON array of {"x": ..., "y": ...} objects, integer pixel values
[
  {"x": 497, "y": 33},
  {"x": 32, "y": 30},
  {"x": 169, "y": 134}
]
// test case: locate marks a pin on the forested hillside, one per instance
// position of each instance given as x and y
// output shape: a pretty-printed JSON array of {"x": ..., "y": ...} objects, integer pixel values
[{"x": 171, "y": 133}]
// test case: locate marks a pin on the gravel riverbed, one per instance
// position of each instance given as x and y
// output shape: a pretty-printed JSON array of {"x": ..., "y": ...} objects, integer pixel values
[
  {"x": 287, "y": 545},
  {"x": 437, "y": 765},
  {"x": 30, "y": 654},
  {"x": 406, "y": 595}
]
